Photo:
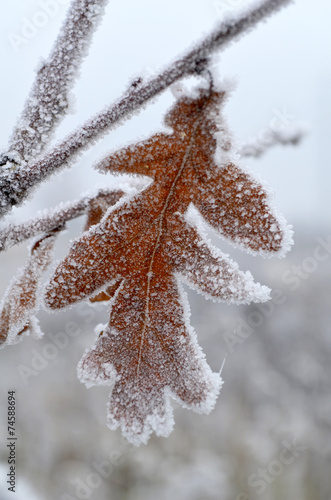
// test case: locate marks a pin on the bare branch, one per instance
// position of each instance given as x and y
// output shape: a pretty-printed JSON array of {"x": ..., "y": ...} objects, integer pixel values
[
  {"x": 16, "y": 186},
  {"x": 47, "y": 221}
]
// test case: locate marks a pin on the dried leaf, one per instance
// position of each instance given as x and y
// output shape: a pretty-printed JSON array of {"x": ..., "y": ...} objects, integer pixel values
[
  {"x": 22, "y": 298},
  {"x": 141, "y": 249}
]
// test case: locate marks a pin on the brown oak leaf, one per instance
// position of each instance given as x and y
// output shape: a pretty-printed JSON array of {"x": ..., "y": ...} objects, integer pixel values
[
  {"x": 22, "y": 298},
  {"x": 143, "y": 249}
]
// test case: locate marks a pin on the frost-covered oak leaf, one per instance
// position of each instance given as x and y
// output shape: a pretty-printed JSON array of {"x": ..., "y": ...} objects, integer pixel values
[
  {"x": 23, "y": 296},
  {"x": 143, "y": 249}
]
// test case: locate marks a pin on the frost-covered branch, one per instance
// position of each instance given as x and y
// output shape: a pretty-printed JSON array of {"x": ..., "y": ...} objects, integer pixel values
[
  {"x": 47, "y": 103},
  {"x": 16, "y": 186},
  {"x": 48, "y": 220},
  {"x": 290, "y": 134},
  {"x": 48, "y": 100}
]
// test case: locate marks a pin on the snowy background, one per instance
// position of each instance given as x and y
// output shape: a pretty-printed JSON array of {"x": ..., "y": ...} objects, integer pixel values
[{"x": 277, "y": 382}]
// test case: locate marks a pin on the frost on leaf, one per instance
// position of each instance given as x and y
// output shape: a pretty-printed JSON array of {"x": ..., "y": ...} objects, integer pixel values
[
  {"x": 22, "y": 298},
  {"x": 97, "y": 208},
  {"x": 141, "y": 250}
]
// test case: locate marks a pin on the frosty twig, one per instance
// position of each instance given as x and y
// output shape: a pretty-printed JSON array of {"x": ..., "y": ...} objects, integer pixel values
[
  {"x": 48, "y": 100},
  {"x": 47, "y": 221},
  {"x": 290, "y": 134},
  {"x": 47, "y": 103}
]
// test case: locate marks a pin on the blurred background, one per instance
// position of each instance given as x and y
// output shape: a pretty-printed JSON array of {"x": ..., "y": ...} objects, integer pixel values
[{"x": 269, "y": 436}]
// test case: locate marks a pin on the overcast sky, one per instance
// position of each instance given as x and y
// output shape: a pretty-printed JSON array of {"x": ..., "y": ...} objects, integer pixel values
[{"x": 282, "y": 68}]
